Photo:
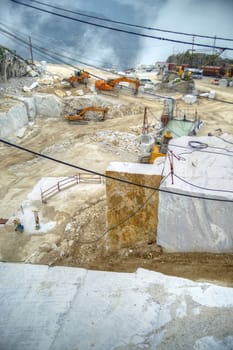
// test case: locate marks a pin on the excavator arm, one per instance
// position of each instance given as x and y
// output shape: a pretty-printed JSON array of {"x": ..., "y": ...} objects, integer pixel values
[
  {"x": 109, "y": 85},
  {"x": 81, "y": 113}
]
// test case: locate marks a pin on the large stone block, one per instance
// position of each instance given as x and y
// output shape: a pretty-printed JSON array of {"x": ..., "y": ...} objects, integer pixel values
[
  {"x": 188, "y": 224},
  {"x": 13, "y": 119},
  {"x": 194, "y": 225},
  {"x": 48, "y": 105},
  {"x": 132, "y": 210}
]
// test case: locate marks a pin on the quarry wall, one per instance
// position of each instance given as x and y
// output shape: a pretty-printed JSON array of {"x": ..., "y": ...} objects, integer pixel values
[
  {"x": 188, "y": 224},
  {"x": 194, "y": 225},
  {"x": 19, "y": 112},
  {"x": 11, "y": 65}
]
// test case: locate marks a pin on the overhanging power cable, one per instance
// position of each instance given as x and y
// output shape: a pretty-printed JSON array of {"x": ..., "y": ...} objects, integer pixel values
[
  {"x": 202, "y": 187},
  {"x": 59, "y": 57},
  {"x": 118, "y": 29},
  {"x": 52, "y": 54},
  {"x": 112, "y": 177},
  {"x": 123, "y": 221},
  {"x": 130, "y": 24}
]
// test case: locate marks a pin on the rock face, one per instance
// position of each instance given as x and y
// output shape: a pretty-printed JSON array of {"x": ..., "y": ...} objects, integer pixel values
[
  {"x": 188, "y": 224},
  {"x": 13, "y": 119},
  {"x": 132, "y": 210},
  {"x": 11, "y": 65},
  {"x": 48, "y": 105},
  {"x": 19, "y": 112},
  {"x": 194, "y": 225}
]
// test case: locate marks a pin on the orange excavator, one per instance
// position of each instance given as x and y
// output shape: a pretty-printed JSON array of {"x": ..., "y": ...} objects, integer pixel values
[
  {"x": 80, "y": 115},
  {"x": 79, "y": 77},
  {"x": 110, "y": 84}
]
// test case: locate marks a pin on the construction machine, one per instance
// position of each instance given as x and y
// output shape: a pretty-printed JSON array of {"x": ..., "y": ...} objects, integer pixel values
[
  {"x": 183, "y": 73},
  {"x": 110, "y": 84},
  {"x": 79, "y": 77},
  {"x": 158, "y": 150},
  {"x": 80, "y": 114}
]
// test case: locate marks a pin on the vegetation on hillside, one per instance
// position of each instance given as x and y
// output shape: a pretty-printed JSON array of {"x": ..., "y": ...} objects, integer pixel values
[{"x": 194, "y": 59}]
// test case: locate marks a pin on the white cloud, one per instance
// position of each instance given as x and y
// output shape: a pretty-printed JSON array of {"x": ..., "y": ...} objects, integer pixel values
[{"x": 191, "y": 16}]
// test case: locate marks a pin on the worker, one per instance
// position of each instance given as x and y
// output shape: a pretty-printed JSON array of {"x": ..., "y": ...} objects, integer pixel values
[
  {"x": 85, "y": 81},
  {"x": 164, "y": 119},
  {"x": 18, "y": 226},
  {"x": 167, "y": 137}
]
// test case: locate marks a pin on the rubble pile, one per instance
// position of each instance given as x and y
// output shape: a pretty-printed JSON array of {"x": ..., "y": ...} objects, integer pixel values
[
  {"x": 120, "y": 111},
  {"x": 123, "y": 141}
]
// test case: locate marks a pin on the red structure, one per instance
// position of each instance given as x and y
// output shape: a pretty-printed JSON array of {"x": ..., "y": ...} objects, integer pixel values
[{"x": 213, "y": 71}]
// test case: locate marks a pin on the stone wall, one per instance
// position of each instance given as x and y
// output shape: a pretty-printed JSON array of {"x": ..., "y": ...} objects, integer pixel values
[{"x": 132, "y": 210}]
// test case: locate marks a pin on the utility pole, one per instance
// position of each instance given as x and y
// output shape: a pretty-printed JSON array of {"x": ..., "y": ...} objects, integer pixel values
[
  {"x": 145, "y": 127},
  {"x": 30, "y": 46},
  {"x": 213, "y": 52},
  {"x": 191, "y": 63}
]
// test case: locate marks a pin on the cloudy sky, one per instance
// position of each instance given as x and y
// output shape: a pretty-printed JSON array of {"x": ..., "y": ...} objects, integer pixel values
[{"x": 99, "y": 46}]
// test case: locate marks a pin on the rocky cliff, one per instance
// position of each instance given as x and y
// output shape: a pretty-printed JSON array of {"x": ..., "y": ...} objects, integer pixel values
[{"x": 11, "y": 65}]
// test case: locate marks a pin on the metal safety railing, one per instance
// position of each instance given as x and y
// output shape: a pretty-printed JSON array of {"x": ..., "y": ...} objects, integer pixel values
[{"x": 70, "y": 181}]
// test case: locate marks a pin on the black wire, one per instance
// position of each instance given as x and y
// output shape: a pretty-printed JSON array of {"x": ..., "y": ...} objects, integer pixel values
[
  {"x": 120, "y": 223},
  {"x": 224, "y": 140},
  {"x": 202, "y": 188},
  {"x": 224, "y": 101},
  {"x": 54, "y": 55},
  {"x": 112, "y": 177},
  {"x": 216, "y": 99},
  {"x": 203, "y": 150},
  {"x": 47, "y": 41},
  {"x": 117, "y": 29},
  {"x": 130, "y": 24},
  {"x": 197, "y": 144}
]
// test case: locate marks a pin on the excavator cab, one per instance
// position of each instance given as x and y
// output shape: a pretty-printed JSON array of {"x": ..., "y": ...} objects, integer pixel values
[
  {"x": 79, "y": 77},
  {"x": 77, "y": 73}
]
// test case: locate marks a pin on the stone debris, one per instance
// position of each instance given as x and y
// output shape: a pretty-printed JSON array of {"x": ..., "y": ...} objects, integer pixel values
[
  {"x": 79, "y": 92},
  {"x": 189, "y": 99},
  {"x": 31, "y": 72},
  {"x": 57, "y": 147},
  {"x": 31, "y": 87},
  {"x": 122, "y": 140},
  {"x": 60, "y": 93},
  {"x": 210, "y": 94}
]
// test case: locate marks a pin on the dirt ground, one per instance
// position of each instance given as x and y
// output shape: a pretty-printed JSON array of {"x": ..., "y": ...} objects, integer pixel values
[{"x": 80, "y": 212}]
